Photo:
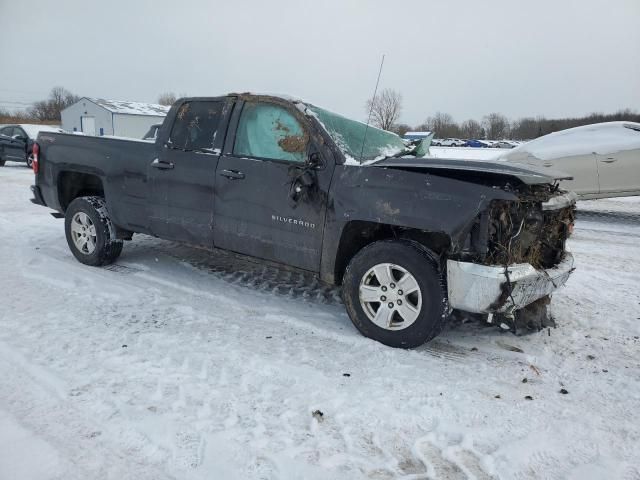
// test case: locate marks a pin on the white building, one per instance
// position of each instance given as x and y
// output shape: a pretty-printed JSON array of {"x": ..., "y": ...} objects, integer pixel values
[
  {"x": 97, "y": 116},
  {"x": 416, "y": 135}
]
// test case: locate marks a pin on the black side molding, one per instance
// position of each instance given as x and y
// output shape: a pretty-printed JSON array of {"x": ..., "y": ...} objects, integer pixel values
[{"x": 57, "y": 215}]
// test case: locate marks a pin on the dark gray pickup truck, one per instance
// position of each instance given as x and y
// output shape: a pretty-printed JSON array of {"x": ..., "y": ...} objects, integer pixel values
[{"x": 411, "y": 239}]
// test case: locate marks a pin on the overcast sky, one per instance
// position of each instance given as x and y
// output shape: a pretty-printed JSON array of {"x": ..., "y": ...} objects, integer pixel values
[{"x": 465, "y": 57}]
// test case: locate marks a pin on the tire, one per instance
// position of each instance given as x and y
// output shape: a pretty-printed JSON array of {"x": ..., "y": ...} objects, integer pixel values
[
  {"x": 30, "y": 161},
  {"x": 90, "y": 233},
  {"x": 398, "y": 256}
]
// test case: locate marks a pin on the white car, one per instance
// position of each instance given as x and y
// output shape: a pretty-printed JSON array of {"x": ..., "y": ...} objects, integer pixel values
[
  {"x": 603, "y": 158},
  {"x": 451, "y": 142}
]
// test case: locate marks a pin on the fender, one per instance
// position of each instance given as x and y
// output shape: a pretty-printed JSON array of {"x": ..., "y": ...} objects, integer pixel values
[{"x": 400, "y": 198}]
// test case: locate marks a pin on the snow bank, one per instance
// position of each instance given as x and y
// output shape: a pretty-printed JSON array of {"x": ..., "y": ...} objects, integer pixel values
[{"x": 466, "y": 153}]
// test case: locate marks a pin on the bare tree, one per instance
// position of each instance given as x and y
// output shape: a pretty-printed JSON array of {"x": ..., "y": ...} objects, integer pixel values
[
  {"x": 496, "y": 125},
  {"x": 167, "y": 98},
  {"x": 471, "y": 129},
  {"x": 400, "y": 128},
  {"x": 50, "y": 109},
  {"x": 385, "y": 108},
  {"x": 442, "y": 124}
]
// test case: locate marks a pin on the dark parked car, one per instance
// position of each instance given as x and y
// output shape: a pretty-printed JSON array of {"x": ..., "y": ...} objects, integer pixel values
[
  {"x": 16, "y": 142},
  {"x": 409, "y": 238}
]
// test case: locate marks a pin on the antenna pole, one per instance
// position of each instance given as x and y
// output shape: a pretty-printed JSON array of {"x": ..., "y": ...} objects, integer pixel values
[{"x": 373, "y": 100}]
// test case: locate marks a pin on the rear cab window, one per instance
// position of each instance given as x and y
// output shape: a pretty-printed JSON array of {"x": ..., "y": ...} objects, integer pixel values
[
  {"x": 196, "y": 125},
  {"x": 268, "y": 131}
]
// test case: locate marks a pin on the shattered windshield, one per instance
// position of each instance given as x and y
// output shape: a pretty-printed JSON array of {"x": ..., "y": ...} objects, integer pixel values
[{"x": 349, "y": 134}]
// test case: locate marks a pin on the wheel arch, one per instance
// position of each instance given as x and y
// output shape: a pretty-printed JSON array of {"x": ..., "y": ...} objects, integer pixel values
[
  {"x": 73, "y": 184},
  {"x": 358, "y": 234}
]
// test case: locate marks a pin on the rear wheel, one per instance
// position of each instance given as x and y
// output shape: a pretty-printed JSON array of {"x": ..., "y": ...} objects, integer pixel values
[
  {"x": 90, "y": 233},
  {"x": 395, "y": 294}
]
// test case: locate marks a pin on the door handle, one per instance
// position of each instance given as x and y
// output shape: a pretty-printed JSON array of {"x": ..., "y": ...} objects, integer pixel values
[
  {"x": 548, "y": 164},
  {"x": 609, "y": 160},
  {"x": 232, "y": 174},
  {"x": 162, "y": 165}
]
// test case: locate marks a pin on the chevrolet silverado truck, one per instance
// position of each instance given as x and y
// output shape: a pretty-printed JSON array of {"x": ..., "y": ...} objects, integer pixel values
[{"x": 410, "y": 239}]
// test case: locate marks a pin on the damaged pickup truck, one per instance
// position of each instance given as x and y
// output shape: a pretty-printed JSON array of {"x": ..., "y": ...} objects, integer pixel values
[{"x": 411, "y": 239}]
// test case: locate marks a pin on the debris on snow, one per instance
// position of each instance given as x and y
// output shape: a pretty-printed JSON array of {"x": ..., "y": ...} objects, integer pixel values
[{"x": 508, "y": 347}]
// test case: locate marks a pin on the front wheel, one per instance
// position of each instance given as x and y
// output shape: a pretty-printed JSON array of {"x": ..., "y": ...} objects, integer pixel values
[
  {"x": 30, "y": 160},
  {"x": 90, "y": 233},
  {"x": 394, "y": 293}
]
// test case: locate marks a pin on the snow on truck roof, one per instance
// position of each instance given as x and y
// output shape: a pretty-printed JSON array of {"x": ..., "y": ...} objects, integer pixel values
[{"x": 131, "y": 108}]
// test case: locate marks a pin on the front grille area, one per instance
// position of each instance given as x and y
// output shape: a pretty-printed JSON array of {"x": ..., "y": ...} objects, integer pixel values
[{"x": 521, "y": 232}]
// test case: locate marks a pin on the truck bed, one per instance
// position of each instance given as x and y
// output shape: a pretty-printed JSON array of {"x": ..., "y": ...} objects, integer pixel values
[{"x": 121, "y": 164}]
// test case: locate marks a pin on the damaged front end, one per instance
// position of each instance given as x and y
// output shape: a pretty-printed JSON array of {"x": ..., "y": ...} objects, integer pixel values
[{"x": 516, "y": 257}]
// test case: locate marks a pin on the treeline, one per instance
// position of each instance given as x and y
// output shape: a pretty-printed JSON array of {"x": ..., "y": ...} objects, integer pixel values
[
  {"x": 43, "y": 111},
  {"x": 48, "y": 110},
  {"x": 496, "y": 126},
  {"x": 384, "y": 112}
]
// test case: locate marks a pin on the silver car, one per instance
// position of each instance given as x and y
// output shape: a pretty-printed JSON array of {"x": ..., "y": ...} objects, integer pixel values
[{"x": 603, "y": 158}]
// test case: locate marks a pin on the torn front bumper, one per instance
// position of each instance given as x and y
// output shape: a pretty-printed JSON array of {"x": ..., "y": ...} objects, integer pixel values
[{"x": 495, "y": 289}]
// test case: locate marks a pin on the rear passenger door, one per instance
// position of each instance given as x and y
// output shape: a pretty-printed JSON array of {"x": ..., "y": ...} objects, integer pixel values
[{"x": 183, "y": 176}]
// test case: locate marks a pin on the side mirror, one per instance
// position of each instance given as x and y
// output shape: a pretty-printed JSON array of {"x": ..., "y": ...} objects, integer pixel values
[
  {"x": 315, "y": 161},
  {"x": 19, "y": 137},
  {"x": 302, "y": 183}
]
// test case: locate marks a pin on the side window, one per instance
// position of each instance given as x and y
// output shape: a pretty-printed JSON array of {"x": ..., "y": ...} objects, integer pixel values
[
  {"x": 195, "y": 125},
  {"x": 270, "y": 131},
  {"x": 8, "y": 131}
]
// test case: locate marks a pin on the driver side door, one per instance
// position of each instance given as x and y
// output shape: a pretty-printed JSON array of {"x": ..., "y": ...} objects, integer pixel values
[{"x": 257, "y": 209}]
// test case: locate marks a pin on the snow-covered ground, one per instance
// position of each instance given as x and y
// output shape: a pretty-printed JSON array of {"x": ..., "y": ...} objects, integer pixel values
[
  {"x": 467, "y": 153},
  {"x": 178, "y": 363}
]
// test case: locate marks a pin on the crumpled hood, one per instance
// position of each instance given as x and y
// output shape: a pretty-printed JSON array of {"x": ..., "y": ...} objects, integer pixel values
[{"x": 527, "y": 174}]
